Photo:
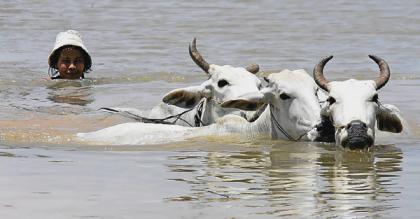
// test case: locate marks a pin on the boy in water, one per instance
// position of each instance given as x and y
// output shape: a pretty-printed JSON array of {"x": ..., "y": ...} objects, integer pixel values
[{"x": 69, "y": 59}]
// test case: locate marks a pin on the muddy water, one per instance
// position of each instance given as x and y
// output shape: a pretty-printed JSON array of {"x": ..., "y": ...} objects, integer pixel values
[{"x": 139, "y": 51}]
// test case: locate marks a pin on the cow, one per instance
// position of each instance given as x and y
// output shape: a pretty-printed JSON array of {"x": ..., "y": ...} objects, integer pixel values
[
  {"x": 292, "y": 109},
  {"x": 353, "y": 107},
  {"x": 292, "y": 112},
  {"x": 200, "y": 105}
]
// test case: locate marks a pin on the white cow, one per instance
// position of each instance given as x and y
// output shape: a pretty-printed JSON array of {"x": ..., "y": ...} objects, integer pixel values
[
  {"x": 200, "y": 105},
  {"x": 293, "y": 114},
  {"x": 353, "y": 107},
  {"x": 293, "y": 111}
]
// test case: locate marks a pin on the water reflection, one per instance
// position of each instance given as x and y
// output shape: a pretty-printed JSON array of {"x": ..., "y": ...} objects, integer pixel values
[
  {"x": 359, "y": 183},
  {"x": 74, "y": 92},
  {"x": 299, "y": 180}
]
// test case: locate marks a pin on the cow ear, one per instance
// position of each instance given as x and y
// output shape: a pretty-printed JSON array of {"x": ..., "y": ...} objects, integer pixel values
[
  {"x": 242, "y": 104},
  {"x": 389, "y": 119},
  {"x": 185, "y": 97},
  {"x": 250, "y": 101}
]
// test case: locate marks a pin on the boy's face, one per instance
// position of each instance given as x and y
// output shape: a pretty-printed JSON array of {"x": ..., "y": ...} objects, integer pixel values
[{"x": 71, "y": 63}]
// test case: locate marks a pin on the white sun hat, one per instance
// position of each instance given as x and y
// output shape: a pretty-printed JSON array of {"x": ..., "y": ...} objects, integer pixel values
[{"x": 69, "y": 38}]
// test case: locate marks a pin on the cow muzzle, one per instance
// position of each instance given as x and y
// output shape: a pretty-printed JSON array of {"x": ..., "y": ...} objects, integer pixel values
[{"x": 357, "y": 135}]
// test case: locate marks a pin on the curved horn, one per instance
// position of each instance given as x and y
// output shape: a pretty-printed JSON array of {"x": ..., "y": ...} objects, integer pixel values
[
  {"x": 384, "y": 74},
  {"x": 319, "y": 74},
  {"x": 197, "y": 58},
  {"x": 253, "y": 68}
]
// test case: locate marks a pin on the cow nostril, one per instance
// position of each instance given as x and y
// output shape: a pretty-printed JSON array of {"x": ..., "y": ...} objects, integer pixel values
[{"x": 356, "y": 124}]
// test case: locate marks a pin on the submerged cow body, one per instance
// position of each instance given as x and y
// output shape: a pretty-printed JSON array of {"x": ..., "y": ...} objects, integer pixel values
[
  {"x": 200, "y": 105},
  {"x": 353, "y": 107}
]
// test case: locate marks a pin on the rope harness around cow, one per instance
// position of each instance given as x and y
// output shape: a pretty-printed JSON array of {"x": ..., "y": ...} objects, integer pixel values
[
  {"x": 282, "y": 130},
  {"x": 197, "y": 117}
]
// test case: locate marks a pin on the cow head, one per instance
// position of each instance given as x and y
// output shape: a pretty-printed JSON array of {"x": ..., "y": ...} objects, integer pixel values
[
  {"x": 353, "y": 107},
  {"x": 293, "y": 102},
  {"x": 224, "y": 83}
]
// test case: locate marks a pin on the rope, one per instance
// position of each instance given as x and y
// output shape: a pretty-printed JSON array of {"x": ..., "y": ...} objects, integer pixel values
[
  {"x": 197, "y": 116},
  {"x": 277, "y": 124}
]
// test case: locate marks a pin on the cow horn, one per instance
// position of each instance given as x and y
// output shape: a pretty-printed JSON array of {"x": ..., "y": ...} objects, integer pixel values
[
  {"x": 384, "y": 74},
  {"x": 319, "y": 74},
  {"x": 253, "y": 68},
  {"x": 197, "y": 58}
]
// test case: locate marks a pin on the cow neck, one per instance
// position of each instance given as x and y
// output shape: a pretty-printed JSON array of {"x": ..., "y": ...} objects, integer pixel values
[
  {"x": 212, "y": 111},
  {"x": 276, "y": 125},
  {"x": 260, "y": 121}
]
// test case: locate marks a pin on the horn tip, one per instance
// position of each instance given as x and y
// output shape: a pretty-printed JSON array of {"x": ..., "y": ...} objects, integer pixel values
[
  {"x": 376, "y": 58},
  {"x": 192, "y": 45},
  {"x": 194, "y": 42},
  {"x": 329, "y": 57},
  {"x": 325, "y": 59},
  {"x": 254, "y": 68}
]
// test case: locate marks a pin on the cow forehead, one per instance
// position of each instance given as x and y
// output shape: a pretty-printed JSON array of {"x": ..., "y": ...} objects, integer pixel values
[
  {"x": 352, "y": 88},
  {"x": 230, "y": 73},
  {"x": 296, "y": 79}
]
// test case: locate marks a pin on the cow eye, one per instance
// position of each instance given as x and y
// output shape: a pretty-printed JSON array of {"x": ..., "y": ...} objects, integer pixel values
[
  {"x": 266, "y": 80},
  {"x": 375, "y": 98},
  {"x": 331, "y": 100},
  {"x": 284, "y": 96},
  {"x": 222, "y": 83}
]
